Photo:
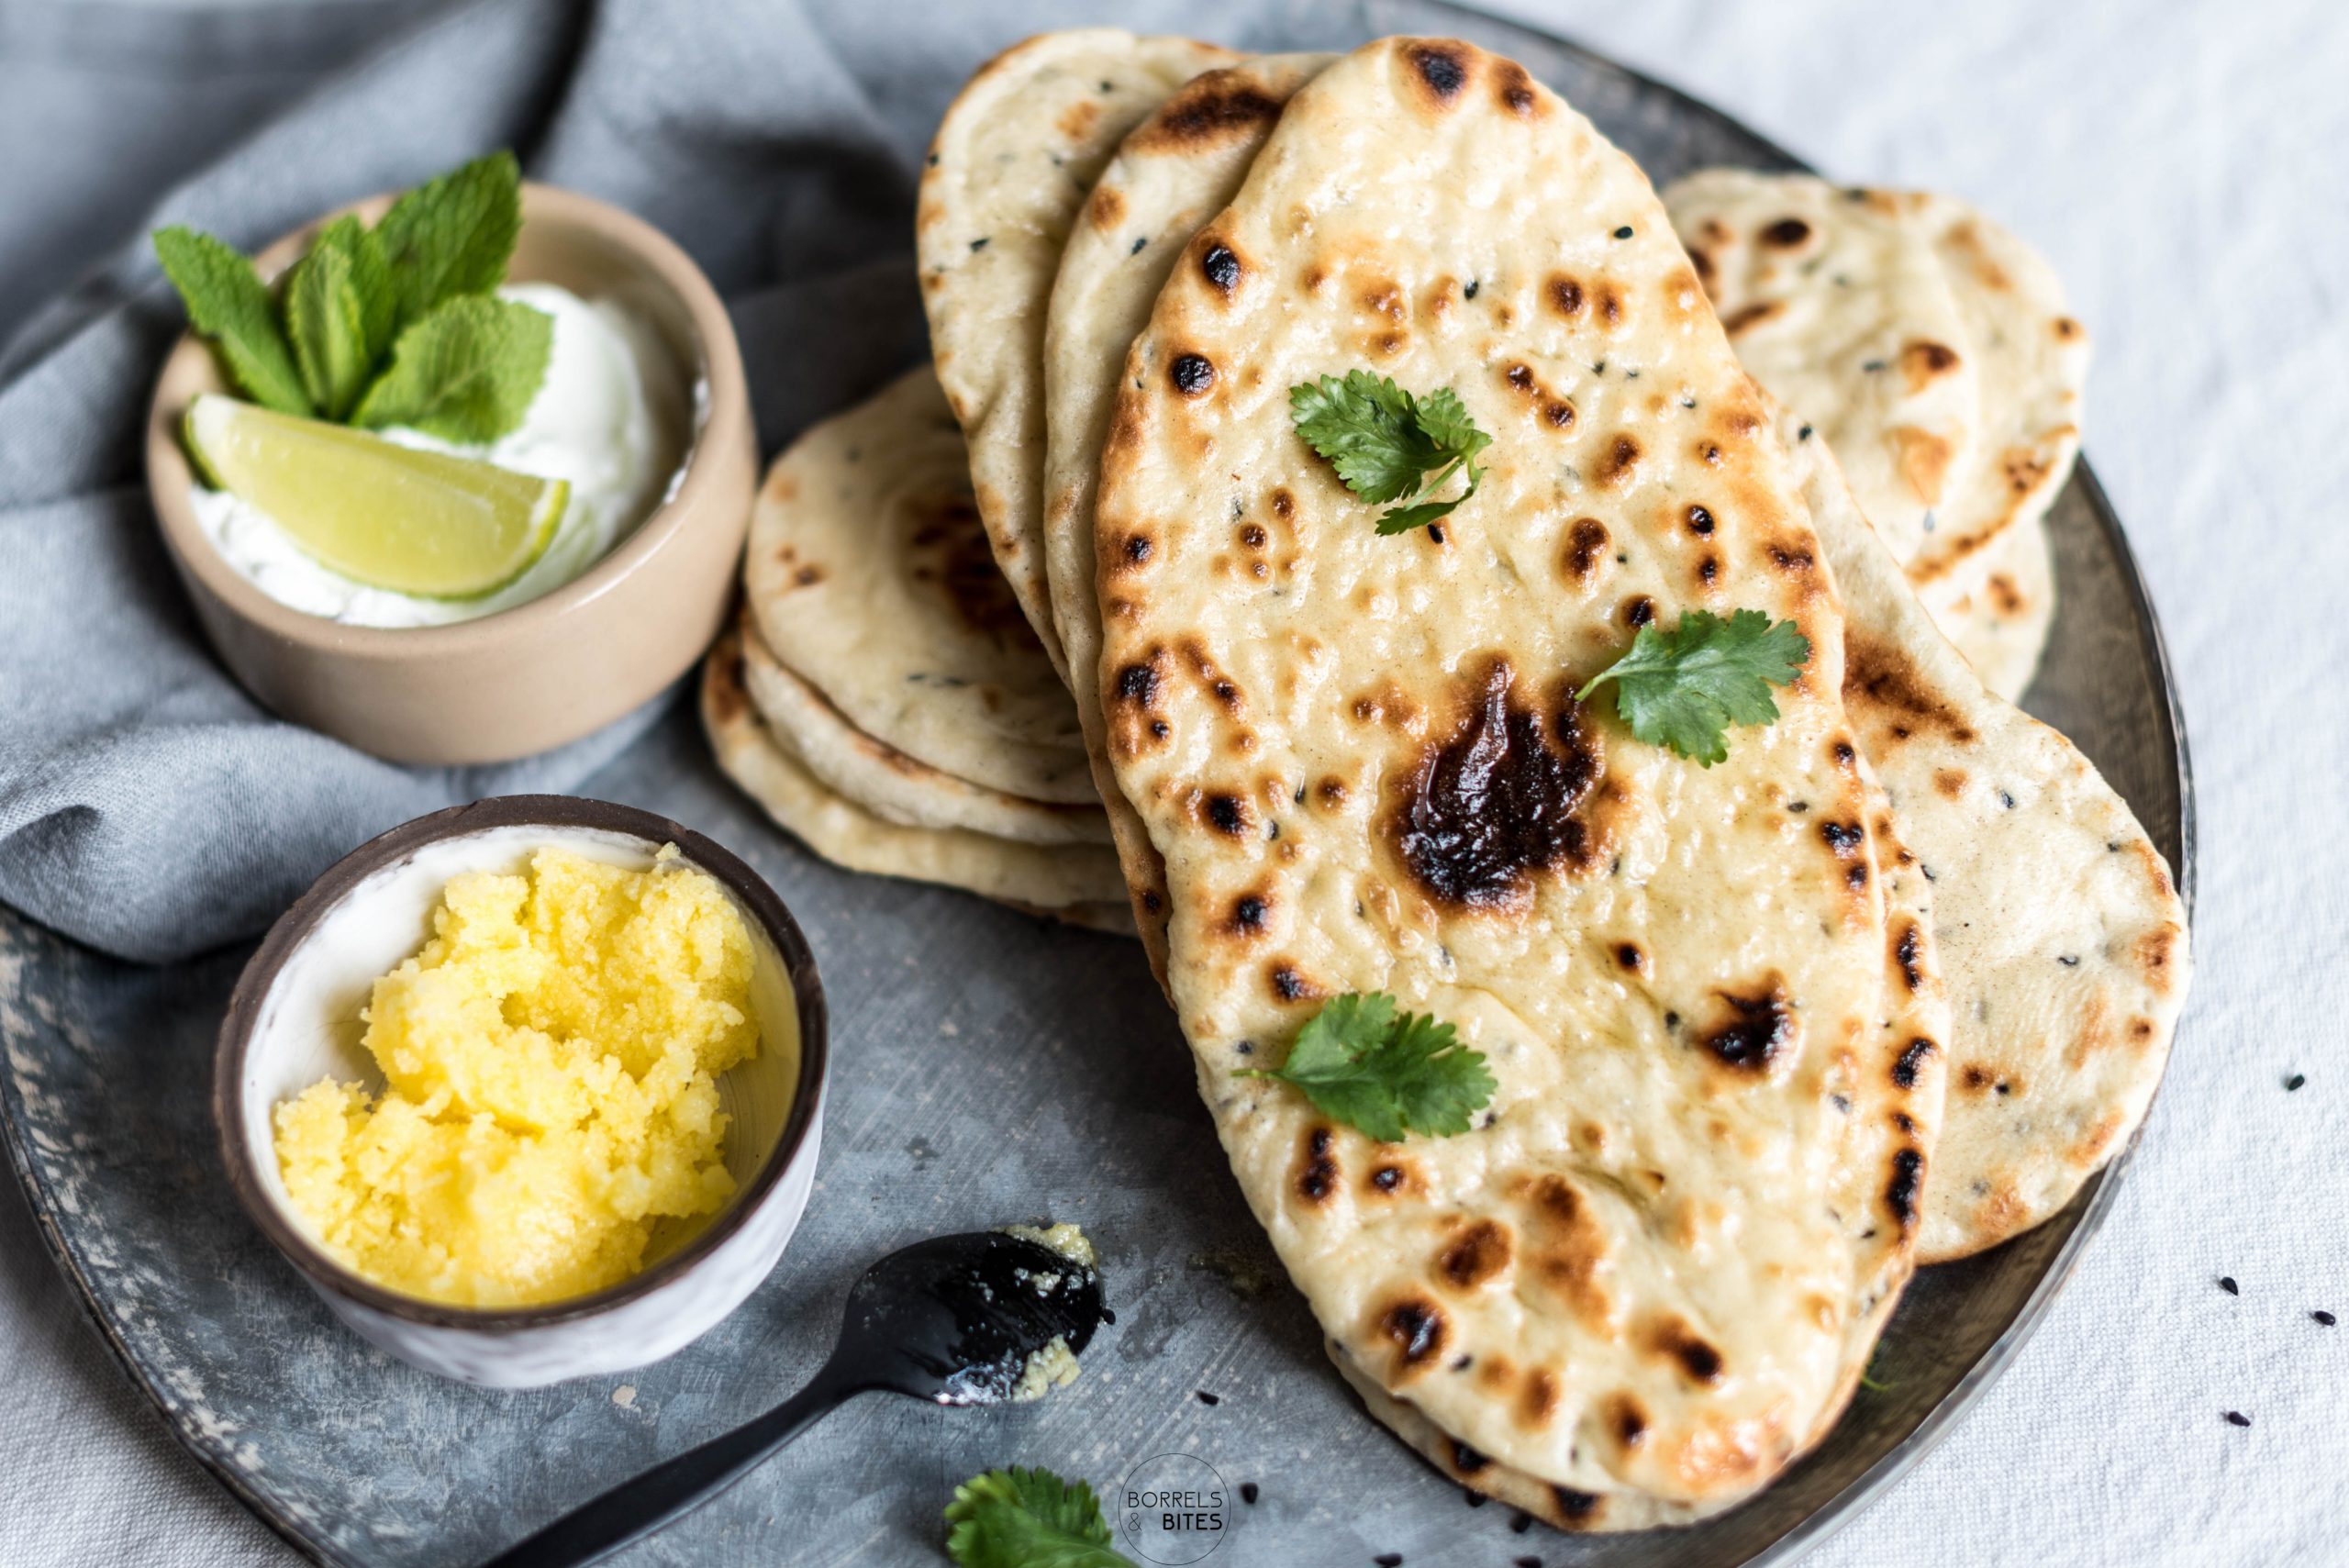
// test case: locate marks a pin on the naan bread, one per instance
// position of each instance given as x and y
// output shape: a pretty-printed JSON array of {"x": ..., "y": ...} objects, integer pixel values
[
  {"x": 1845, "y": 314},
  {"x": 2062, "y": 937},
  {"x": 871, "y": 580},
  {"x": 2002, "y": 626},
  {"x": 883, "y": 780},
  {"x": 1080, "y": 879},
  {"x": 1653, "y": 1269},
  {"x": 1931, "y": 347},
  {"x": 1012, "y": 160},
  {"x": 1176, "y": 170}
]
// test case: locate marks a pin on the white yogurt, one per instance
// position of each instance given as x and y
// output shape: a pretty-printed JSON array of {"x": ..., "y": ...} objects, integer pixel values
[{"x": 610, "y": 418}]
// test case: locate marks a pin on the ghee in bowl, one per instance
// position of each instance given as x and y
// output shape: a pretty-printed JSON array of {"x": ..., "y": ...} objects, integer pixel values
[
  {"x": 524, "y": 1095},
  {"x": 549, "y": 1062}
]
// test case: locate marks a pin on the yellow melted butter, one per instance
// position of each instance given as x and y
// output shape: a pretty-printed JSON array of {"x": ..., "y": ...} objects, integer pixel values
[{"x": 549, "y": 1061}]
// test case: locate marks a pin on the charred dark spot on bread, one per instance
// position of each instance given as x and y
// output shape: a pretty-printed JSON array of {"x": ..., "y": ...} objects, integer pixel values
[
  {"x": 1467, "y": 1459},
  {"x": 1786, "y": 233},
  {"x": 1389, "y": 1179},
  {"x": 1192, "y": 375},
  {"x": 1701, "y": 521},
  {"x": 1620, "y": 462},
  {"x": 1482, "y": 1252},
  {"x": 1627, "y": 1418},
  {"x": 1908, "y": 1180},
  {"x": 1289, "y": 985},
  {"x": 1578, "y": 1510},
  {"x": 1609, "y": 300},
  {"x": 1754, "y": 1030},
  {"x": 1885, "y": 683},
  {"x": 1639, "y": 611},
  {"x": 1586, "y": 543},
  {"x": 1498, "y": 799},
  {"x": 1250, "y": 913},
  {"x": 1909, "y": 951},
  {"x": 1515, "y": 88},
  {"x": 1229, "y": 813},
  {"x": 1221, "y": 267},
  {"x": 722, "y": 687},
  {"x": 1565, "y": 295},
  {"x": 1217, "y": 109},
  {"x": 1846, "y": 839},
  {"x": 1751, "y": 315},
  {"x": 1631, "y": 956},
  {"x": 2067, "y": 328},
  {"x": 1911, "y": 1062},
  {"x": 1252, "y": 536},
  {"x": 1538, "y": 1401},
  {"x": 1443, "y": 66},
  {"x": 1138, "y": 684},
  {"x": 1923, "y": 360},
  {"x": 1668, "y": 1335},
  {"x": 1709, "y": 569},
  {"x": 1283, "y": 505},
  {"x": 1416, "y": 1328},
  {"x": 1317, "y": 1172}
]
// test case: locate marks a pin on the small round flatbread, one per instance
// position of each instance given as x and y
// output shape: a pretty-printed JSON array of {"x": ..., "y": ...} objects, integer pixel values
[
  {"x": 1845, "y": 313},
  {"x": 871, "y": 579},
  {"x": 884, "y": 780},
  {"x": 1011, "y": 163},
  {"x": 1081, "y": 878},
  {"x": 2002, "y": 626}
]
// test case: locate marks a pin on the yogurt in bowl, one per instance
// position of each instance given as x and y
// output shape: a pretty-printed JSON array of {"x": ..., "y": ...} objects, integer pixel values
[{"x": 611, "y": 419}]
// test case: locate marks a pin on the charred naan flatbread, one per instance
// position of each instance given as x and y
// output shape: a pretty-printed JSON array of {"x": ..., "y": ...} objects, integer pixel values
[
  {"x": 1363, "y": 771},
  {"x": 1012, "y": 160}
]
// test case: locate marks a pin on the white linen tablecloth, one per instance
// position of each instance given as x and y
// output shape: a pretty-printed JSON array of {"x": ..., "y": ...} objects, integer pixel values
[{"x": 2183, "y": 164}]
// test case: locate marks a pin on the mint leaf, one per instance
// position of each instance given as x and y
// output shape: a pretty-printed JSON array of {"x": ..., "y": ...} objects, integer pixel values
[
  {"x": 329, "y": 318},
  {"x": 466, "y": 372},
  {"x": 453, "y": 236},
  {"x": 1384, "y": 443},
  {"x": 1683, "y": 688},
  {"x": 1362, "y": 1063},
  {"x": 1027, "y": 1518},
  {"x": 227, "y": 303}
]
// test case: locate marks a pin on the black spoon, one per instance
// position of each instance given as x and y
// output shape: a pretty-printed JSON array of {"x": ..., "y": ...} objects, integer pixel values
[{"x": 951, "y": 1320}]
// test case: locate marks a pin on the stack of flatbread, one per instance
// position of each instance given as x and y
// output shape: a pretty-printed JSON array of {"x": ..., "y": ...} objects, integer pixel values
[{"x": 1883, "y": 987}]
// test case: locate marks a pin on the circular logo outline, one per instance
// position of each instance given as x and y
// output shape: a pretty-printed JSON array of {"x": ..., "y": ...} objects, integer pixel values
[{"x": 1135, "y": 1519}]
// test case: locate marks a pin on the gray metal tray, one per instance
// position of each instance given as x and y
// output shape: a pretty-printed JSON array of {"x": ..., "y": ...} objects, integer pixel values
[{"x": 987, "y": 1068}]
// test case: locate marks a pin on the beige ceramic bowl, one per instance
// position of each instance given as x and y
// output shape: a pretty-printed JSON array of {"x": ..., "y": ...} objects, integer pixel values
[{"x": 533, "y": 677}]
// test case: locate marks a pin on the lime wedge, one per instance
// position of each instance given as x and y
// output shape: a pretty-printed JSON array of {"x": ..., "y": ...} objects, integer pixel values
[{"x": 390, "y": 517}]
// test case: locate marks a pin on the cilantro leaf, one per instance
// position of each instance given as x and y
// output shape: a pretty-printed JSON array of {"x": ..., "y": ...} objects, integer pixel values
[
  {"x": 1386, "y": 444},
  {"x": 466, "y": 372},
  {"x": 338, "y": 315},
  {"x": 453, "y": 236},
  {"x": 227, "y": 303},
  {"x": 1383, "y": 1073},
  {"x": 1684, "y": 687},
  {"x": 1027, "y": 1518}
]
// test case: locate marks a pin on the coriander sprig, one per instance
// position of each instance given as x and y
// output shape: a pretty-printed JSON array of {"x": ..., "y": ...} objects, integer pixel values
[
  {"x": 1027, "y": 1518},
  {"x": 1386, "y": 444},
  {"x": 1384, "y": 1072},
  {"x": 1684, "y": 687},
  {"x": 393, "y": 324}
]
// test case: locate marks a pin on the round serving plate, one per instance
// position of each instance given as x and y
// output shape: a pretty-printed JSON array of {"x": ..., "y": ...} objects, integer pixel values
[{"x": 987, "y": 1068}]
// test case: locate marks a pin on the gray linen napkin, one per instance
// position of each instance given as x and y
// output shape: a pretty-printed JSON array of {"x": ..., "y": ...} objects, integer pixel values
[{"x": 147, "y": 806}]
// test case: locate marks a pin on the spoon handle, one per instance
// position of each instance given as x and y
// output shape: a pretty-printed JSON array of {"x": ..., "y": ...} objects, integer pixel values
[{"x": 668, "y": 1491}]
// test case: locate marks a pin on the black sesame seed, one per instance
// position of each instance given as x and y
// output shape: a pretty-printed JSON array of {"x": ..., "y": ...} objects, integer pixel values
[
  {"x": 1624, "y": 232},
  {"x": 1209, "y": 1399},
  {"x": 1435, "y": 533},
  {"x": 2069, "y": 961},
  {"x": 2237, "y": 1418},
  {"x": 2294, "y": 1081},
  {"x": 978, "y": 244},
  {"x": 1246, "y": 1047},
  {"x": 1139, "y": 245},
  {"x": 2227, "y": 1283},
  {"x": 1248, "y": 1492},
  {"x": 2006, "y": 800},
  {"x": 1803, "y": 434},
  {"x": 1464, "y": 1363},
  {"x": 1873, "y": 366},
  {"x": 2327, "y": 1318},
  {"x": 1470, "y": 291}
]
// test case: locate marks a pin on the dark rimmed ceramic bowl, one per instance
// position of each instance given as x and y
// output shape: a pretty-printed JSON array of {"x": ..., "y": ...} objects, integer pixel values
[{"x": 293, "y": 1019}]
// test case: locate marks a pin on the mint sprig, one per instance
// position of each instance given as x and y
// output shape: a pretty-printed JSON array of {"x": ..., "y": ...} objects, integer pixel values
[
  {"x": 1384, "y": 1072},
  {"x": 1027, "y": 1518},
  {"x": 394, "y": 325},
  {"x": 1684, "y": 687},
  {"x": 1386, "y": 444}
]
